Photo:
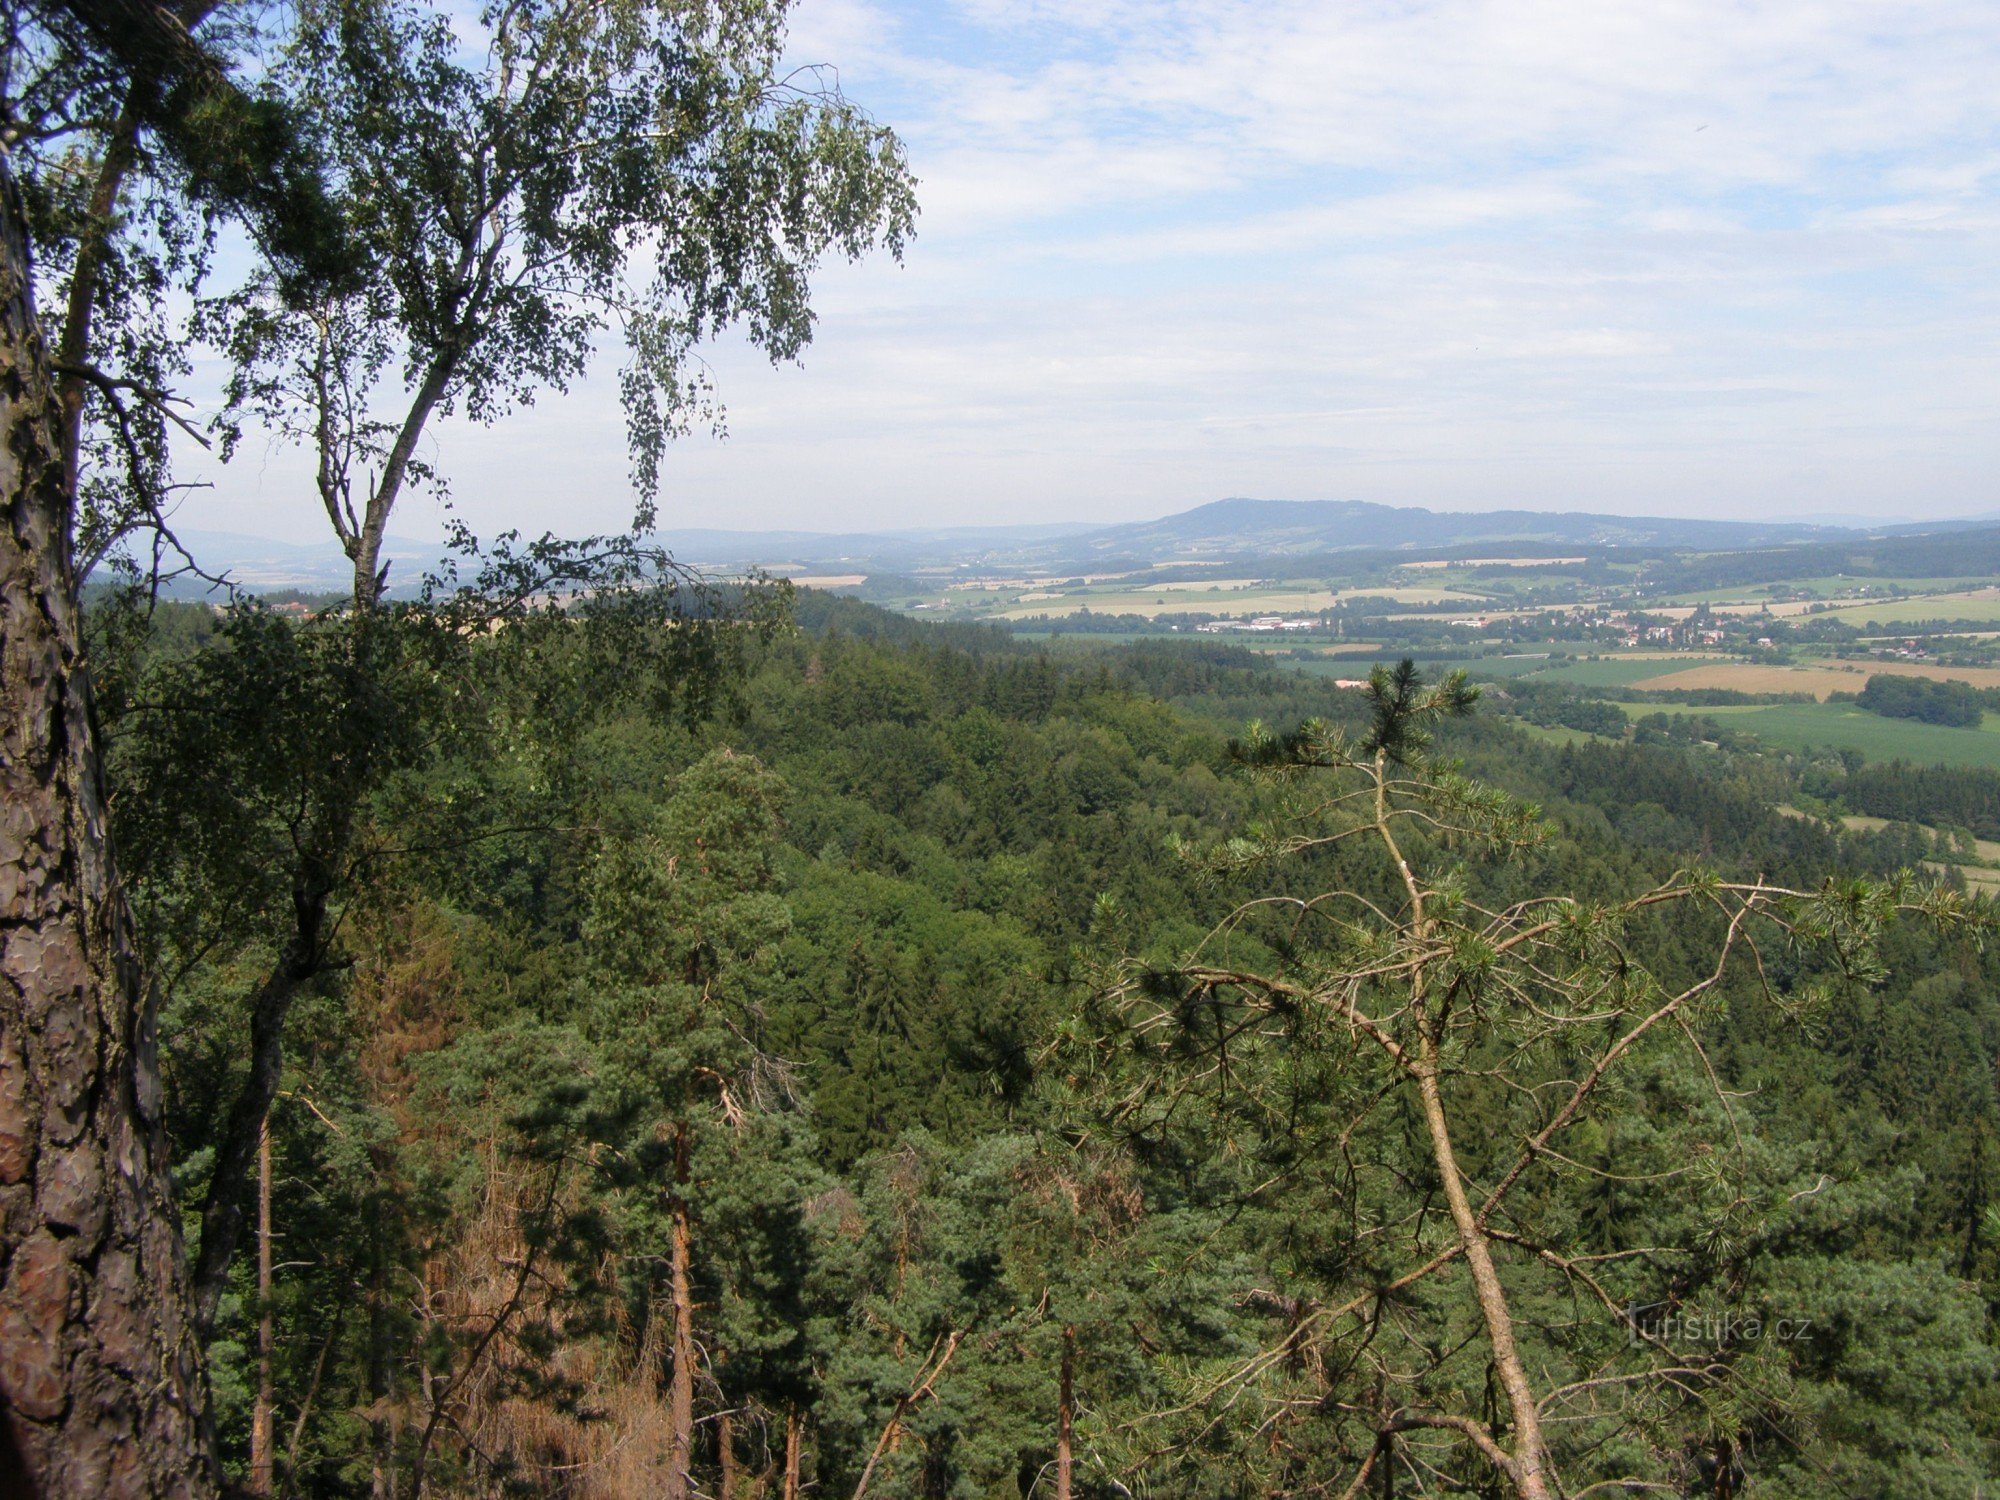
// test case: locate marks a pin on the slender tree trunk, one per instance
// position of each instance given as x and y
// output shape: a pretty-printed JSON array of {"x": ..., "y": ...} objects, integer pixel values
[
  {"x": 1528, "y": 1468},
  {"x": 793, "y": 1438},
  {"x": 382, "y": 1423},
  {"x": 260, "y": 1412},
  {"x": 1530, "y": 1473},
  {"x": 100, "y": 1383},
  {"x": 725, "y": 1443},
  {"x": 1065, "y": 1414},
  {"x": 364, "y": 547},
  {"x": 84, "y": 279},
  {"x": 225, "y": 1208},
  {"x": 680, "y": 1388}
]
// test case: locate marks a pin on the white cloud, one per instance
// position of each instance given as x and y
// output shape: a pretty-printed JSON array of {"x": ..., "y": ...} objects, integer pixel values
[{"x": 1694, "y": 254}]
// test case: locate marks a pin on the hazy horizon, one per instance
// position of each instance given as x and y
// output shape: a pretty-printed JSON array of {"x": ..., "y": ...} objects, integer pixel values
[{"x": 412, "y": 536}]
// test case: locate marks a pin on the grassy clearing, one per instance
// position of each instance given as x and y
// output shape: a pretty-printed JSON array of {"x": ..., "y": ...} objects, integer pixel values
[
  {"x": 1841, "y": 726},
  {"x": 1555, "y": 734},
  {"x": 1356, "y": 670}
]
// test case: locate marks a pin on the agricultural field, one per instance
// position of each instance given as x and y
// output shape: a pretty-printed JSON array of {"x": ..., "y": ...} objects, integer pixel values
[
  {"x": 1834, "y": 589},
  {"x": 1634, "y": 670},
  {"x": 1486, "y": 668},
  {"x": 1821, "y": 679},
  {"x": 1978, "y": 605},
  {"x": 1746, "y": 677},
  {"x": 1239, "y": 597},
  {"x": 1354, "y": 668},
  {"x": 1840, "y": 726}
]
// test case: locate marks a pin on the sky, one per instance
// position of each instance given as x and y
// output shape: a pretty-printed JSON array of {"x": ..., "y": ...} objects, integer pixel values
[{"x": 1694, "y": 257}]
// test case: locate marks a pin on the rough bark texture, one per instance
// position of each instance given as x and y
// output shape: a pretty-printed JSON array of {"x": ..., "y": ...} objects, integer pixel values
[
  {"x": 793, "y": 1441},
  {"x": 99, "y": 1371},
  {"x": 680, "y": 1388},
  {"x": 1066, "y": 1415}
]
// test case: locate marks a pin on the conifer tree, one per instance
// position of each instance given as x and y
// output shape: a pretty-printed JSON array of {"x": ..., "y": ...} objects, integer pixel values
[{"x": 1441, "y": 1063}]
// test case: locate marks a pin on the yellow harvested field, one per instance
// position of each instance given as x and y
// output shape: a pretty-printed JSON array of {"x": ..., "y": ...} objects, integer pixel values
[
  {"x": 828, "y": 580},
  {"x": 1821, "y": 680},
  {"x": 1498, "y": 562},
  {"x": 1743, "y": 677}
]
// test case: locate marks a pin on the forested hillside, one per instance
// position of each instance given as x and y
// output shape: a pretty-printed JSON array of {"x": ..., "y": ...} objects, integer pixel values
[
  {"x": 550, "y": 1015},
  {"x": 808, "y": 1065}
]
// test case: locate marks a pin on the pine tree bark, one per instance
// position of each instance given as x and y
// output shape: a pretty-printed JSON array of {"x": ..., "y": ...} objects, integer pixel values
[
  {"x": 793, "y": 1438},
  {"x": 1065, "y": 1414},
  {"x": 100, "y": 1383},
  {"x": 680, "y": 1388},
  {"x": 725, "y": 1446}
]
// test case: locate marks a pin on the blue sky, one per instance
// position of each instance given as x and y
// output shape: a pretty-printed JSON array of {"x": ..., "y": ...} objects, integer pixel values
[{"x": 1705, "y": 257}]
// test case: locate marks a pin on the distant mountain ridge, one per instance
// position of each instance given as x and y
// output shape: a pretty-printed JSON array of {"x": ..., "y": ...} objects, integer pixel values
[
  {"x": 1236, "y": 527},
  {"x": 1240, "y": 526},
  {"x": 1221, "y": 530}
]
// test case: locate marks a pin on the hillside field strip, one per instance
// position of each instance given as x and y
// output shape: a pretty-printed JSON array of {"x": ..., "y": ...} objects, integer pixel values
[
  {"x": 1832, "y": 589},
  {"x": 1840, "y": 726},
  {"x": 1821, "y": 680},
  {"x": 1627, "y": 671},
  {"x": 1978, "y": 605},
  {"x": 1216, "y": 599}
]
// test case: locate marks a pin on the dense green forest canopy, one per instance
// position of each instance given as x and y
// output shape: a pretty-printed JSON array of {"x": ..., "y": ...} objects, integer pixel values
[
  {"x": 623, "y": 1032},
  {"x": 815, "y": 979}
]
